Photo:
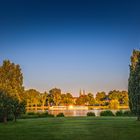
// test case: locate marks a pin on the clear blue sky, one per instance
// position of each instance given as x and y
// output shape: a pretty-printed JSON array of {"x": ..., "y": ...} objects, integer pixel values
[{"x": 71, "y": 44}]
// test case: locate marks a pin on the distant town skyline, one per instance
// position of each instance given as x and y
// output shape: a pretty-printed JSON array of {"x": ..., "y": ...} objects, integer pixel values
[{"x": 71, "y": 44}]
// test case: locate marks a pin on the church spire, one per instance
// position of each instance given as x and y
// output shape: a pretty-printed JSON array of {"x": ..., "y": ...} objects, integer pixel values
[
  {"x": 84, "y": 93},
  {"x": 80, "y": 93}
]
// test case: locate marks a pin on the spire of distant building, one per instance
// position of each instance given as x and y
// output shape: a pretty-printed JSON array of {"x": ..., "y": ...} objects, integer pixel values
[
  {"x": 84, "y": 93},
  {"x": 80, "y": 93}
]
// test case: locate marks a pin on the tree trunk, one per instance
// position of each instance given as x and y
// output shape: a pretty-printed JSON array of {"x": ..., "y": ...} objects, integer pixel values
[
  {"x": 138, "y": 117},
  {"x": 43, "y": 107},
  {"x": 138, "y": 113},
  {"x": 36, "y": 108},
  {"x": 15, "y": 118},
  {"x": 48, "y": 105},
  {"x": 5, "y": 119}
]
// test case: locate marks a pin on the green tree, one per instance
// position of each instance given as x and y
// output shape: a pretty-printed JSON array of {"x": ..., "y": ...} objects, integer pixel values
[
  {"x": 82, "y": 100},
  {"x": 11, "y": 87},
  {"x": 32, "y": 98},
  {"x": 134, "y": 83},
  {"x": 123, "y": 98},
  {"x": 11, "y": 78},
  {"x": 100, "y": 97},
  {"x": 90, "y": 99},
  {"x": 43, "y": 99},
  {"x": 120, "y": 96},
  {"x": 66, "y": 99},
  {"x": 55, "y": 96},
  {"x": 114, "y": 95}
]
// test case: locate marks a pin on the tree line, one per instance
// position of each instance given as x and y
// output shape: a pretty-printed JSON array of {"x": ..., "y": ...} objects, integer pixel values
[{"x": 56, "y": 98}]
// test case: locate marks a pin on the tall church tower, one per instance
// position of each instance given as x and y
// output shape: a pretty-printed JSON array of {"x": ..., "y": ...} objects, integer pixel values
[
  {"x": 84, "y": 93},
  {"x": 80, "y": 93}
]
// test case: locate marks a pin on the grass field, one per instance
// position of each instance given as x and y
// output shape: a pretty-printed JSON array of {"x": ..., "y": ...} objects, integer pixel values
[{"x": 76, "y": 128}]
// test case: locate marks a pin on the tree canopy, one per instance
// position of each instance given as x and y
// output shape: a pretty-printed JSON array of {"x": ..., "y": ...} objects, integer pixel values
[{"x": 11, "y": 78}]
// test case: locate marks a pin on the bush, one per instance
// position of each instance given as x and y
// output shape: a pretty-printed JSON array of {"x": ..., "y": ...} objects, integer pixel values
[
  {"x": 50, "y": 115},
  {"x": 36, "y": 115},
  {"x": 90, "y": 114},
  {"x": 26, "y": 116},
  {"x": 106, "y": 113},
  {"x": 128, "y": 113},
  {"x": 60, "y": 115},
  {"x": 31, "y": 113},
  {"x": 119, "y": 113},
  {"x": 125, "y": 113},
  {"x": 46, "y": 114}
]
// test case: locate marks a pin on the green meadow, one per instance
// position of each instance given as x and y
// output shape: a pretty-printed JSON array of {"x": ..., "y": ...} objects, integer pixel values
[{"x": 72, "y": 128}]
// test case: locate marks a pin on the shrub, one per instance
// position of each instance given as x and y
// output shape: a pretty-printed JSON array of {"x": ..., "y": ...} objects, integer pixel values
[
  {"x": 36, "y": 115},
  {"x": 106, "y": 113},
  {"x": 46, "y": 114},
  {"x": 119, "y": 113},
  {"x": 90, "y": 114},
  {"x": 42, "y": 115},
  {"x": 26, "y": 116},
  {"x": 50, "y": 115},
  {"x": 60, "y": 115},
  {"x": 127, "y": 113},
  {"x": 31, "y": 113}
]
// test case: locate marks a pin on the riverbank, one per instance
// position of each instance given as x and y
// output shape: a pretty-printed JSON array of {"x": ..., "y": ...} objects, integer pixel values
[{"x": 68, "y": 128}]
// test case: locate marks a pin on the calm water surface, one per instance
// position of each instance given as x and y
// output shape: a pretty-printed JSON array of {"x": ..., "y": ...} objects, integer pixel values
[{"x": 80, "y": 112}]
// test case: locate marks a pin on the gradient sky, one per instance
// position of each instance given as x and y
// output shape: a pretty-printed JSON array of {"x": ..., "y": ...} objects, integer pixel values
[{"x": 71, "y": 44}]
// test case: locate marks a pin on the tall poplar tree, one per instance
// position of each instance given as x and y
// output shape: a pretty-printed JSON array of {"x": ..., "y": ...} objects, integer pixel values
[{"x": 134, "y": 83}]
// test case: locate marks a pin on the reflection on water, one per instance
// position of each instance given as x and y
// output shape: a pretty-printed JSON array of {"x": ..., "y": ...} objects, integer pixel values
[{"x": 79, "y": 112}]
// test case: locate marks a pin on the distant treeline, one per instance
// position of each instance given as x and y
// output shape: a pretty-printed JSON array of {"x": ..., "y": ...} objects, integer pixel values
[{"x": 113, "y": 99}]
